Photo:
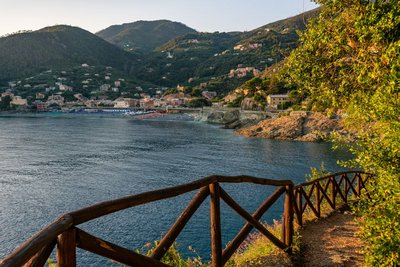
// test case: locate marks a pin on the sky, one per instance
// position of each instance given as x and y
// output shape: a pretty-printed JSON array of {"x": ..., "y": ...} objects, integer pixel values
[{"x": 95, "y": 15}]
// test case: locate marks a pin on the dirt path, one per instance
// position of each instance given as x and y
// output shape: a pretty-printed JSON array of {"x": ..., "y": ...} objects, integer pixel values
[{"x": 332, "y": 241}]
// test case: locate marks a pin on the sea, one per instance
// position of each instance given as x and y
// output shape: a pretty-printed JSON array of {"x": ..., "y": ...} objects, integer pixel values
[{"x": 51, "y": 164}]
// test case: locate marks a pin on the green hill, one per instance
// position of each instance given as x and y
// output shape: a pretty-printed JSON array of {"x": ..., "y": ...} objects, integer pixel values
[
  {"x": 169, "y": 53},
  {"x": 144, "y": 36},
  {"x": 60, "y": 46},
  {"x": 209, "y": 57}
]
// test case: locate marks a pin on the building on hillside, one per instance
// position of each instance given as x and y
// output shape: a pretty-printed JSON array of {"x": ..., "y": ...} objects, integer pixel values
[
  {"x": 105, "y": 87},
  {"x": 64, "y": 87},
  {"x": 146, "y": 103},
  {"x": 55, "y": 99},
  {"x": 49, "y": 89},
  {"x": 277, "y": 100},
  {"x": 40, "y": 106},
  {"x": 126, "y": 102},
  {"x": 80, "y": 98},
  {"x": 19, "y": 101},
  {"x": 160, "y": 103},
  {"x": 40, "y": 96},
  {"x": 209, "y": 95},
  {"x": 7, "y": 93}
]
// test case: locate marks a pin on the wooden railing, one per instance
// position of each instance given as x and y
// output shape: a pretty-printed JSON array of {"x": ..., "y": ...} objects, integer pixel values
[
  {"x": 335, "y": 190},
  {"x": 66, "y": 236}
]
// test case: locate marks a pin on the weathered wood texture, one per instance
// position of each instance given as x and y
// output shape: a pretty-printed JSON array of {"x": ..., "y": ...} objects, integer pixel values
[
  {"x": 66, "y": 249},
  {"x": 37, "y": 242},
  {"x": 329, "y": 189},
  {"x": 109, "y": 250},
  {"x": 42, "y": 256},
  {"x": 215, "y": 223}
]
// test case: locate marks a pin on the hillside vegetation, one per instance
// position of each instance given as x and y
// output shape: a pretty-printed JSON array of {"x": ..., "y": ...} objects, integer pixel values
[
  {"x": 208, "y": 58},
  {"x": 22, "y": 55},
  {"x": 349, "y": 63},
  {"x": 144, "y": 36},
  {"x": 162, "y": 54}
]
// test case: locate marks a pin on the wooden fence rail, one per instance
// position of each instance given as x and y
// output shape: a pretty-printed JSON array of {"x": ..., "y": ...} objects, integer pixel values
[{"x": 66, "y": 236}]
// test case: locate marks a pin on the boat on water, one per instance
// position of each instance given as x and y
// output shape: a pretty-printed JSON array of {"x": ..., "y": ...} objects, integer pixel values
[{"x": 138, "y": 112}]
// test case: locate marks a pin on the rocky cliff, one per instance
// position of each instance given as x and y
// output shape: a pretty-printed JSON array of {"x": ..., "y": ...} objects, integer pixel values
[{"x": 300, "y": 126}]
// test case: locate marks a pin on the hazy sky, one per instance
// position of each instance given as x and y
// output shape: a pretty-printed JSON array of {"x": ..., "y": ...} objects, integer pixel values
[{"x": 95, "y": 15}]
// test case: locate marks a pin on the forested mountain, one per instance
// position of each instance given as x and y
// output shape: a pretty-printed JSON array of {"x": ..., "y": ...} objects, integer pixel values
[
  {"x": 144, "y": 36},
  {"x": 209, "y": 57},
  {"x": 162, "y": 53},
  {"x": 57, "y": 47}
]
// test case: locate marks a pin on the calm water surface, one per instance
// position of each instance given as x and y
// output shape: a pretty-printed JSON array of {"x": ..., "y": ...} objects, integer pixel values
[{"x": 54, "y": 164}]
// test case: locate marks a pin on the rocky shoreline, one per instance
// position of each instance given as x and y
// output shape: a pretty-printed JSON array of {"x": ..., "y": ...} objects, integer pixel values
[{"x": 299, "y": 126}]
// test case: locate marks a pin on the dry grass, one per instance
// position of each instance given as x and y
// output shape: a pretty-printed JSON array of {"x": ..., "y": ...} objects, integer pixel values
[{"x": 257, "y": 250}]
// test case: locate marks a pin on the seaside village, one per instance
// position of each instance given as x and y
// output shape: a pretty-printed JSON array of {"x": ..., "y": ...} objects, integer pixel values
[{"x": 58, "y": 96}]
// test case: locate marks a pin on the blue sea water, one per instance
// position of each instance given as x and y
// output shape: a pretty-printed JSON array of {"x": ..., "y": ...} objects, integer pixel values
[{"x": 50, "y": 165}]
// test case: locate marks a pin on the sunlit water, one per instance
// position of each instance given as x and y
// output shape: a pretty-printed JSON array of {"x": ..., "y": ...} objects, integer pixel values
[{"x": 54, "y": 164}]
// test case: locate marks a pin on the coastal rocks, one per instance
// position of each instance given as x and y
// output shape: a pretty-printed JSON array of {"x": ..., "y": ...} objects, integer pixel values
[
  {"x": 300, "y": 126},
  {"x": 242, "y": 123},
  {"x": 219, "y": 117},
  {"x": 231, "y": 118}
]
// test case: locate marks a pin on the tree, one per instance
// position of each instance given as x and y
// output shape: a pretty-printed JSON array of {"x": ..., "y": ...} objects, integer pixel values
[
  {"x": 5, "y": 103},
  {"x": 349, "y": 60},
  {"x": 196, "y": 92}
]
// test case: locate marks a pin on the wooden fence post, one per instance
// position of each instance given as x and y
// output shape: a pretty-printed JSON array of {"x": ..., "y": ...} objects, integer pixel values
[
  {"x": 333, "y": 189},
  {"x": 318, "y": 200},
  {"x": 288, "y": 222},
  {"x": 215, "y": 221},
  {"x": 66, "y": 249},
  {"x": 346, "y": 187},
  {"x": 359, "y": 185},
  {"x": 300, "y": 205}
]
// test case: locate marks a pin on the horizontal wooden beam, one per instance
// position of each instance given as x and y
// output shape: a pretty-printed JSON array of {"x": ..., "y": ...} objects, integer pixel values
[
  {"x": 104, "y": 208},
  {"x": 111, "y": 251},
  {"x": 328, "y": 176},
  {"x": 37, "y": 242},
  {"x": 40, "y": 259}
]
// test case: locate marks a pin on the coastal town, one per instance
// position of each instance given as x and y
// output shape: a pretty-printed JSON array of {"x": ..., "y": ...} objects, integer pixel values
[{"x": 105, "y": 89}]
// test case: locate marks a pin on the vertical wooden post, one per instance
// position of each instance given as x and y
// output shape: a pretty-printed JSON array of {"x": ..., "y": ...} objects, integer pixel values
[
  {"x": 300, "y": 205},
  {"x": 66, "y": 249},
  {"x": 318, "y": 200},
  {"x": 346, "y": 189},
  {"x": 283, "y": 230},
  {"x": 289, "y": 210},
  {"x": 358, "y": 184},
  {"x": 215, "y": 221},
  {"x": 333, "y": 191}
]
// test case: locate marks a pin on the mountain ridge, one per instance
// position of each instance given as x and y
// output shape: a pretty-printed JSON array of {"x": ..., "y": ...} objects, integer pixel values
[{"x": 142, "y": 35}]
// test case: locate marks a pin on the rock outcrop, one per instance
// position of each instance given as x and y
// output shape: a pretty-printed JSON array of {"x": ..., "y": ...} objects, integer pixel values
[
  {"x": 220, "y": 117},
  {"x": 300, "y": 126}
]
